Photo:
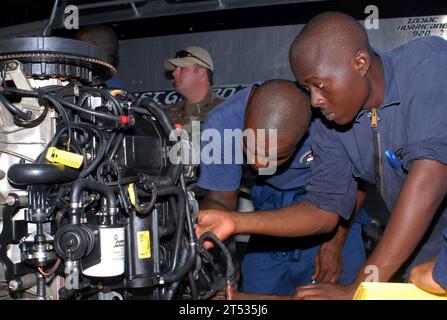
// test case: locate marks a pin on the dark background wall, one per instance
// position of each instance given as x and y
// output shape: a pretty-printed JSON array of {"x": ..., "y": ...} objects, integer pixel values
[
  {"x": 240, "y": 56},
  {"x": 245, "y": 55}
]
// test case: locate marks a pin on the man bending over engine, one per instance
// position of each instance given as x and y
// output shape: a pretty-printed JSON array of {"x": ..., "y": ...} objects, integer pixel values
[{"x": 274, "y": 265}]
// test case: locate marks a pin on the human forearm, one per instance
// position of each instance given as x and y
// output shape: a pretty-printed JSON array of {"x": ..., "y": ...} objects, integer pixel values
[
  {"x": 345, "y": 225},
  {"x": 207, "y": 203},
  {"x": 297, "y": 220},
  {"x": 302, "y": 219},
  {"x": 220, "y": 200},
  {"x": 329, "y": 259},
  {"x": 418, "y": 201},
  {"x": 340, "y": 236}
]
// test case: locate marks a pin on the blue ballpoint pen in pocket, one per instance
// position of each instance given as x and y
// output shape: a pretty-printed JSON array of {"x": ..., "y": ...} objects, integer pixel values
[{"x": 395, "y": 163}]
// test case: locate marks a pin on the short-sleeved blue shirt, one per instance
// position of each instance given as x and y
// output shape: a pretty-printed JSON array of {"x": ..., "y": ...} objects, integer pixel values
[
  {"x": 412, "y": 117},
  {"x": 226, "y": 175},
  {"x": 440, "y": 270}
]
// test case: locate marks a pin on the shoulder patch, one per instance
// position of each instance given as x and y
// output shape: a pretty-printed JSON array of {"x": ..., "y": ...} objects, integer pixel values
[{"x": 307, "y": 158}]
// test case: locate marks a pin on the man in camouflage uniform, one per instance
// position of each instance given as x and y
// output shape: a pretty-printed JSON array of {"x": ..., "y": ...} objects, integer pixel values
[{"x": 192, "y": 69}]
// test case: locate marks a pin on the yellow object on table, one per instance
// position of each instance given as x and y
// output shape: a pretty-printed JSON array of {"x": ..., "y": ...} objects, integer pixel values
[{"x": 393, "y": 291}]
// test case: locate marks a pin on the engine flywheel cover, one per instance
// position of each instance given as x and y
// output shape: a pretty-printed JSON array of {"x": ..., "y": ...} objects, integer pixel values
[{"x": 53, "y": 57}]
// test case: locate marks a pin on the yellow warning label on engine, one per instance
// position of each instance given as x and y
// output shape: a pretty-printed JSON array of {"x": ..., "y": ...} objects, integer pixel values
[
  {"x": 144, "y": 244},
  {"x": 64, "y": 157}
]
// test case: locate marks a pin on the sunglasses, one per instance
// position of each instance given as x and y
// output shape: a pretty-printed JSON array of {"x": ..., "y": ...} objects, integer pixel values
[{"x": 184, "y": 54}]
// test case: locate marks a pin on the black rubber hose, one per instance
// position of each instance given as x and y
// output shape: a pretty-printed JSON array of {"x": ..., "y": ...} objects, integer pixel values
[
  {"x": 88, "y": 94},
  {"x": 100, "y": 172},
  {"x": 183, "y": 270},
  {"x": 31, "y": 123},
  {"x": 181, "y": 214},
  {"x": 116, "y": 146},
  {"x": 52, "y": 143},
  {"x": 61, "y": 111},
  {"x": 79, "y": 186},
  {"x": 147, "y": 207},
  {"x": 157, "y": 111},
  {"x": 26, "y": 93},
  {"x": 86, "y": 128},
  {"x": 57, "y": 135},
  {"x": 191, "y": 260},
  {"x": 193, "y": 286},
  {"x": 169, "y": 292},
  {"x": 57, "y": 104},
  {"x": 99, "y": 156},
  {"x": 89, "y": 129},
  {"x": 189, "y": 221},
  {"x": 211, "y": 236},
  {"x": 51, "y": 88},
  {"x": 82, "y": 99},
  {"x": 109, "y": 143},
  {"x": 91, "y": 112},
  {"x": 21, "y": 92},
  {"x": 22, "y": 174},
  {"x": 115, "y": 104},
  {"x": 13, "y": 109}
]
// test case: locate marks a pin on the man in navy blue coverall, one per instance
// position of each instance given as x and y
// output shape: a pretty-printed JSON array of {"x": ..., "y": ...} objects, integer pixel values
[
  {"x": 385, "y": 124},
  {"x": 274, "y": 265}
]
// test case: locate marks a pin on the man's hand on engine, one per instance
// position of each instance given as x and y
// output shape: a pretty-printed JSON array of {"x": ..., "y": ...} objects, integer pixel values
[{"x": 222, "y": 223}]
